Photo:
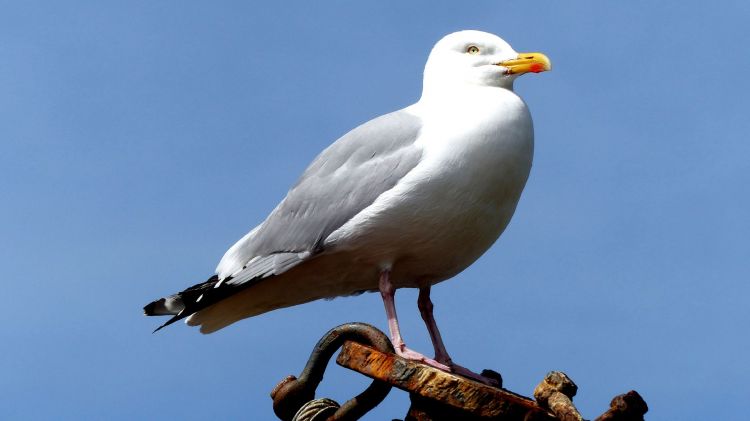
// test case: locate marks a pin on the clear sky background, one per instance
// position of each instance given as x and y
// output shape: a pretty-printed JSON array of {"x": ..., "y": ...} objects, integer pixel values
[{"x": 139, "y": 140}]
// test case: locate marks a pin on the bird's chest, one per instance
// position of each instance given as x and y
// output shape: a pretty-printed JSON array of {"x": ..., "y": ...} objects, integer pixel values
[
  {"x": 447, "y": 211},
  {"x": 468, "y": 195},
  {"x": 478, "y": 155}
]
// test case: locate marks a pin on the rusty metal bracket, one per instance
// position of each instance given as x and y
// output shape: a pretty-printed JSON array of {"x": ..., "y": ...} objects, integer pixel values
[
  {"x": 435, "y": 395},
  {"x": 294, "y": 398},
  {"x": 440, "y": 396}
]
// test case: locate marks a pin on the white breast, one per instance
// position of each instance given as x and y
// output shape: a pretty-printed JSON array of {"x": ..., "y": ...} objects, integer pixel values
[{"x": 446, "y": 212}]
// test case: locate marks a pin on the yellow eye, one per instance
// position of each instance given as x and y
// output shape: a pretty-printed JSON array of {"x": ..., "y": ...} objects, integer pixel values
[{"x": 472, "y": 49}]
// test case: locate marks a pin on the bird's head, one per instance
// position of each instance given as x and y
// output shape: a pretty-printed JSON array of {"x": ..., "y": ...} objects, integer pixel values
[{"x": 478, "y": 58}]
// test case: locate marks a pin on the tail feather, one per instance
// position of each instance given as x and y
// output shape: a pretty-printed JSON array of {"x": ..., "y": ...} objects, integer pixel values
[
  {"x": 194, "y": 299},
  {"x": 202, "y": 295}
]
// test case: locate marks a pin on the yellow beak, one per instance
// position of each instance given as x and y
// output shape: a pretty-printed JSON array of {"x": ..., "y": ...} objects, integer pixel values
[{"x": 527, "y": 62}]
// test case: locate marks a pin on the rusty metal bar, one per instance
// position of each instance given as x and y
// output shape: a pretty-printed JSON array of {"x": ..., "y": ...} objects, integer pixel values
[{"x": 438, "y": 395}]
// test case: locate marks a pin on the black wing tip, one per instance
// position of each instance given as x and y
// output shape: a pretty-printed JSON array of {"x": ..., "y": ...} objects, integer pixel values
[
  {"x": 150, "y": 308},
  {"x": 191, "y": 300}
]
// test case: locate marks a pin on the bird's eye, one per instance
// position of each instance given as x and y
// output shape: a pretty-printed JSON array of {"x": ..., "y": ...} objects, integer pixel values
[{"x": 472, "y": 49}]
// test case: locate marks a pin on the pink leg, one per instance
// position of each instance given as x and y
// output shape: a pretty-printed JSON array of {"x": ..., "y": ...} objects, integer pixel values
[
  {"x": 425, "y": 309},
  {"x": 441, "y": 354},
  {"x": 388, "y": 293}
]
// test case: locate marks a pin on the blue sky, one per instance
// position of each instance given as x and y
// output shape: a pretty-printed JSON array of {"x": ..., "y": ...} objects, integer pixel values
[{"x": 139, "y": 140}]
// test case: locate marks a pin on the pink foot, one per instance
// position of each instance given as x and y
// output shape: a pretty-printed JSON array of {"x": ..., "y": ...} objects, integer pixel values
[
  {"x": 404, "y": 352},
  {"x": 450, "y": 367}
]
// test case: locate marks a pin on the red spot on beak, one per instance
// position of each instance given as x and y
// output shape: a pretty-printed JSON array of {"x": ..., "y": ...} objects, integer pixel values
[{"x": 536, "y": 68}]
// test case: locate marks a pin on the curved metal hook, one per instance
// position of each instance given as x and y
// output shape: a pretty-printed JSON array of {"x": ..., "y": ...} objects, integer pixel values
[{"x": 292, "y": 392}]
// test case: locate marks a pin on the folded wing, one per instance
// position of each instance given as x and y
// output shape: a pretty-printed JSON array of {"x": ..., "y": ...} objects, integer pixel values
[{"x": 342, "y": 181}]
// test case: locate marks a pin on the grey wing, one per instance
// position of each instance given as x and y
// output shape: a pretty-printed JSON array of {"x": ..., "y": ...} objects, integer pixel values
[{"x": 343, "y": 180}]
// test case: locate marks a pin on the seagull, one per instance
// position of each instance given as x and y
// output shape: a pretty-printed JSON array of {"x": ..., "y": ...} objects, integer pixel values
[{"x": 406, "y": 200}]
